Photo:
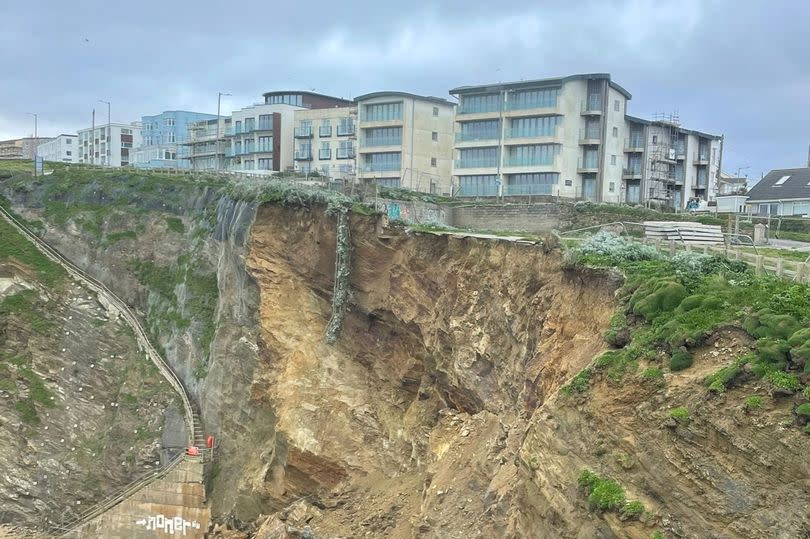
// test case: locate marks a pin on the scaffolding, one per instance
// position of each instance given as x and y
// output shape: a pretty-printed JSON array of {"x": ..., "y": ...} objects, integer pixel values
[{"x": 664, "y": 131}]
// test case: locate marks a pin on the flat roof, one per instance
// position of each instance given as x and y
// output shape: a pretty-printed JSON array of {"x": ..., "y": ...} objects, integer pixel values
[
  {"x": 638, "y": 120},
  {"x": 432, "y": 99},
  {"x": 302, "y": 92},
  {"x": 539, "y": 82}
]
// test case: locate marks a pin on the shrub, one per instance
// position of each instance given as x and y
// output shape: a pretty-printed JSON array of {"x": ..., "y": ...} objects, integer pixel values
[
  {"x": 680, "y": 414},
  {"x": 681, "y": 359},
  {"x": 631, "y": 510},
  {"x": 773, "y": 352},
  {"x": 657, "y": 535},
  {"x": 587, "y": 479},
  {"x": 804, "y": 409},
  {"x": 806, "y": 393},
  {"x": 617, "y": 249},
  {"x": 616, "y": 363},
  {"x": 783, "y": 380},
  {"x": 799, "y": 344},
  {"x": 754, "y": 402},
  {"x": 719, "y": 380},
  {"x": 606, "y": 495},
  {"x": 766, "y": 323},
  {"x": 579, "y": 383},
  {"x": 653, "y": 374},
  {"x": 617, "y": 333},
  {"x": 175, "y": 224},
  {"x": 657, "y": 297}
]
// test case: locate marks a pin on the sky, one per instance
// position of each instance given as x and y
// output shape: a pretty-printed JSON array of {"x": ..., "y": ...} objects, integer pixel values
[{"x": 738, "y": 68}]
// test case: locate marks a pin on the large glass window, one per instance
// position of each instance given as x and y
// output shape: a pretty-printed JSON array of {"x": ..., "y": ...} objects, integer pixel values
[
  {"x": 381, "y": 112},
  {"x": 542, "y": 126},
  {"x": 480, "y": 103},
  {"x": 385, "y": 161},
  {"x": 383, "y": 136},
  {"x": 286, "y": 99},
  {"x": 345, "y": 149},
  {"x": 346, "y": 127},
  {"x": 265, "y": 144},
  {"x": 266, "y": 122},
  {"x": 480, "y": 130},
  {"x": 388, "y": 182},
  {"x": 532, "y": 155},
  {"x": 250, "y": 124},
  {"x": 483, "y": 185},
  {"x": 533, "y": 99},
  {"x": 477, "y": 157},
  {"x": 265, "y": 164},
  {"x": 531, "y": 184}
]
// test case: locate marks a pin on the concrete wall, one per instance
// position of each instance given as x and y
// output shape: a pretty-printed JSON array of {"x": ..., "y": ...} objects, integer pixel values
[
  {"x": 420, "y": 213},
  {"x": 172, "y": 506},
  {"x": 517, "y": 217}
]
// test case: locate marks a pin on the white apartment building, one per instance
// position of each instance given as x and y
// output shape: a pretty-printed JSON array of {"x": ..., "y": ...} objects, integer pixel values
[
  {"x": 205, "y": 147},
  {"x": 64, "y": 149},
  {"x": 325, "y": 140},
  {"x": 570, "y": 137},
  {"x": 405, "y": 140},
  {"x": 109, "y": 144}
]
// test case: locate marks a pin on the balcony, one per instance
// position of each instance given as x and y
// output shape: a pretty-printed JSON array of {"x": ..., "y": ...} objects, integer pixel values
[
  {"x": 345, "y": 153},
  {"x": 590, "y": 135},
  {"x": 382, "y": 141},
  {"x": 680, "y": 152},
  {"x": 528, "y": 161},
  {"x": 476, "y": 137},
  {"x": 264, "y": 148},
  {"x": 631, "y": 173},
  {"x": 592, "y": 105},
  {"x": 325, "y": 131},
  {"x": 634, "y": 144},
  {"x": 484, "y": 108},
  {"x": 325, "y": 154},
  {"x": 381, "y": 167},
  {"x": 303, "y": 132},
  {"x": 529, "y": 105},
  {"x": 587, "y": 166},
  {"x": 303, "y": 155},
  {"x": 381, "y": 118},
  {"x": 701, "y": 159},
  {"x": 476, "y": 163},
  {"x": 345, "y": 130}
]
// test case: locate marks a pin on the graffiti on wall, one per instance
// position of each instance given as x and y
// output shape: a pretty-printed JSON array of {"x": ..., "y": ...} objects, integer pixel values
[
  {"x": 412, "y": 213},
  {"x": 174, "y": 526}
]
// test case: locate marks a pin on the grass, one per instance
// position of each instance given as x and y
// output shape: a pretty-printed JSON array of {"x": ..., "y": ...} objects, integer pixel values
[
  {"x": 720, "y": 380},
  {"x": 579, "y": 383},
  {"x": 25, "y": 305},
  {"x": 680, "y": 414},
  {"x": 605, "y": 494},
  {"x": 175, "y": 224},
  {"x": 15, "y": 247},
  {"x": 754, "y": 402},
  {"x": 114, "y": 237}
]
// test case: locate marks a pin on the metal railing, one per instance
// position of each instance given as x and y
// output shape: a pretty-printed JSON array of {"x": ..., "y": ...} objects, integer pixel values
[
  {"x": 303, "y": 132},
  {"x": 382, "y": 141},
  {"x": 345, "y": 153}
]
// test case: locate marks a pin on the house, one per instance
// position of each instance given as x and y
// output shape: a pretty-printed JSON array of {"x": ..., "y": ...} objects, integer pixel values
[{"x": 783, "y": 191}]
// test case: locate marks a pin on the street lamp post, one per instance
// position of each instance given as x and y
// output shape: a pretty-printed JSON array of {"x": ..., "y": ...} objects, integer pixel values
[
  {"x": 36, "y": 139},
  {"x": 219, "y": 121},
  {"x": 108, "y": 136}
]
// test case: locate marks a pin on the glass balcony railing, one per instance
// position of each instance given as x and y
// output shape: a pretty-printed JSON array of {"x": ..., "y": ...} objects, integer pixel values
[
  {"x": 524, "y": 105},
  {"x": 324, "y": 154},
  {"x": 528, "y": 160},
  {"x": 680, "y": 151},
  {"x": 303, "y": 132},
  {"x": 476, "y": 163},
  {"x": 381, "y": 167},
  {"x": 383, "y": 141},
  {"x": 264, "y": 148},
  {"x": 633, "y": 143},
  {"x": 303, "y": 155},
  {"x": 701, "y": 158},
  {"x": 265, "y": 126},
  {"x": 345, "y": 153},
  {"x": 529, "y": 189},
  {"x": 590, "y": 133},
  {"x": 366, "y": 117},
  {"x": 478, "y": 191},
  {"x": 588, "y": 163},
  {"x": 325, "y": 131},
  {"x": 592, "y": 104},
  {"x": 520, "y": 132},
  {"x": 345, "y": 130},
  {"x": 470, "y": 137},
  {"x": 632, "y": 171}
]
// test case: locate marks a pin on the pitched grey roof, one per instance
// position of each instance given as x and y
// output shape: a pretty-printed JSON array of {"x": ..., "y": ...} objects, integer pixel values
[{"x": 795, "y": 187}]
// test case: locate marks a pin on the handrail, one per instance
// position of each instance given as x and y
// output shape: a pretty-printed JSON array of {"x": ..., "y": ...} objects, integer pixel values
[
  {"x": 144, "y": 343},
  {"x": 129, "y": 317}
]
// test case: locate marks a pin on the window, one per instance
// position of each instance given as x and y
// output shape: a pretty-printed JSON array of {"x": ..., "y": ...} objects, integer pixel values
[
  {"x": 479, "y": 185},
  {"x": 801, "y": 208},
  {"x": 285, "y": 99},
  {"x": 68, "y": 141},
  {"x": 382, "y": 136},
  {"x": 325, "y": 151},
  {"x": 433, "y": 161},
  {"x": 238, "y": 127},
  {"x": 325, "y": 130},
  {"x": 569, "y": 183},
  {"x": 477, "y": 157},
  {"x": 248, "y": 164},
  {"x": 265, "y": 144},
  {"x": 480, "y": 103},
  {"x": 383, "y": 112},
  {"x": 126, "y": 131},
  {"x": 387, "y": 182},
  {"x": 265, "y": 164},
  {"x": 435, "y": 111},
  {"x": 543, "y": 126},
  {"x": 781, "y": 180},
  {"x": 532, "y": 155},
  {"x": 479, "y": 130},
  {"x": 655, "y": 139},
  {"x": 615, "y": 131},
  {"x": 346, "y": 127},
  {"x": 533, "y": 99},
  {"x": 531, "y": 184},
  {"x": 266, "y": 122},
  {"x": 616, "y": 105},
  {"x": 435, "y": 135},
  {"x": 612, "y": 159},
  {"x": 171, "y": 136},
  {"x": 386, "y": 161},
  {"x": 250, "y": 124},
  {"x": 345, "y": 149},
  {"x": 168, "y": 122},
  {"x": 68, "y": 152},
  {"x": 612, "y": 185}
]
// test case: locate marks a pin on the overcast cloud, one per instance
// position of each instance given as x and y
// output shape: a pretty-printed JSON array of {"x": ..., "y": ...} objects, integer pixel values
[{"x": 740, "y": 68}]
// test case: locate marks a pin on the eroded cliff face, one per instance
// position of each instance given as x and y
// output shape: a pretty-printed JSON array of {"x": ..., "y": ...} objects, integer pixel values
[{"x": 441, "y": 331}]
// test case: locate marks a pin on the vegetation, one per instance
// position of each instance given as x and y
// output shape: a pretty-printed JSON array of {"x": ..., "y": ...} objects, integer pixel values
[
  {"x": 803, "y": 409},
  {"x": 579, "y": 383},
  {"x": 26, "y": 305},
  {"x": 653, "y": 375},
  {"x": 754, "y": 402},
  {"x": 175, "y": 224},
  {"x": 605, "y": 494},
  {"x": 14, "y": 246},
  {"x": 680, "y": 414},
  {"x": 680, "y": 300}
]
